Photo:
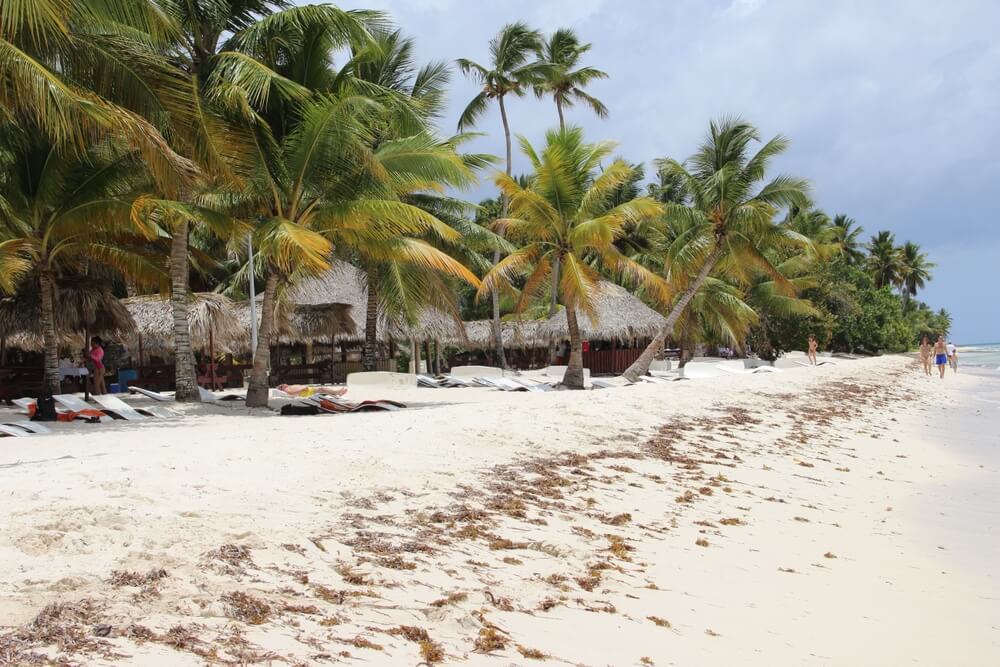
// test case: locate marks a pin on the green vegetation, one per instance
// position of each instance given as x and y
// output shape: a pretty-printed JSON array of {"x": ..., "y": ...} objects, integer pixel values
[{"x": 144, "y": 142}]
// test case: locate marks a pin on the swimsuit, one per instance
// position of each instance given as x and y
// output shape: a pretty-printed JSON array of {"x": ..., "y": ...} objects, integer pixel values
[{"x": 941, "y": 359}]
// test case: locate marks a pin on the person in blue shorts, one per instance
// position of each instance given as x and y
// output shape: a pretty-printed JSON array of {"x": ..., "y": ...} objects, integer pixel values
[{"x": 941, "y": 355}]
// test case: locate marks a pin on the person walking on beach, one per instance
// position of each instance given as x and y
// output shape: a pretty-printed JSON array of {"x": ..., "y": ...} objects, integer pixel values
[
  {"x": 813, "y": 345},
  {"x": 96, "y": 358},
  {"x": 925, "y": 355},
  {"x": 952, "y": 356},
  {"x": 941, "y": 355}
]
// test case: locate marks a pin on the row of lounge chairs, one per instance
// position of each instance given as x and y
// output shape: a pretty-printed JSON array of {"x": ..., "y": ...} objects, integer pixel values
[
  {"x": 513, "y": 383},
  {"x": 73, "y": 408}
]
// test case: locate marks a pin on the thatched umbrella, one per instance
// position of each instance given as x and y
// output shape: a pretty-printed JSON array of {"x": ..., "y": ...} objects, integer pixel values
[
  {"x": 212, "y": 321},
  {"x": 82, "y": 307},
  {"x": 515, "y": 333},
  {"x": 296, "y": 323},
  {"x": 620, "y": 315}
]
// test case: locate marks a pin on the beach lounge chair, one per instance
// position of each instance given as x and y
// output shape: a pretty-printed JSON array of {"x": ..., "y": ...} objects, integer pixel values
[
  {"x": 24, "y": 403},
  {"x": 155, "y": 395},
  {"x": 452, "y": 381},
  {"x": 14, "y": 431},
  {"x": 116, "y": 406},
  {"x": 33, "y": 427},
  {"x": 337, "y": 404},
  {"x": 527, "y": 384},
  {"x": 428, "y": 381},
  {"x": 77, "y": 405}
]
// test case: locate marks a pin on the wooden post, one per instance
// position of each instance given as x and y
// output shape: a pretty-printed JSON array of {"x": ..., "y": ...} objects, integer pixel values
[
  {"x": 415, "y": 347},
  {"x": 3, "y": 351},
  {"x": 86, "y": 353},
  {"x": 211, "y": 357}
]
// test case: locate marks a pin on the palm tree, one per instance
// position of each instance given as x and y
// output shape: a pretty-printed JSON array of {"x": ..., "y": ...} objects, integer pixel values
[
  {"x": 318, "y": 184},
  {"x": 914, "y": 269},
  {"x": 206, "y": 69},
  {"x": 729, "y": 221},
  {"x": 847, "y": 231},
  {"x": 883, "y": 259},
  {"x": 61, "y": 210},
  {"x": 563, "y": 79},
  {"x": 566, "y": 215},
  {"x": 511, "y": 72}
]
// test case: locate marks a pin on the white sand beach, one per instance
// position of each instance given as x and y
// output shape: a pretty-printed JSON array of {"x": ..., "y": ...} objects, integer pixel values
[{"x": 845, "y": 514}]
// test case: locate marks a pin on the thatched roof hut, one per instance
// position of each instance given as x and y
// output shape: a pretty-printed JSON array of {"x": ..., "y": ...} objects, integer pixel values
[
  {"x": 212, "y": 321},
  {"x": 621, "y": 316},
  {"x": 82, "y": 305},
  {"x": 299, "y": 323},
  {"x": 345, "y": 283}
]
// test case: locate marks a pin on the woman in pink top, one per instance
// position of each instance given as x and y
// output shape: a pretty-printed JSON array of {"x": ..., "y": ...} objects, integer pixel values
[{"x": 96, "y": 356}]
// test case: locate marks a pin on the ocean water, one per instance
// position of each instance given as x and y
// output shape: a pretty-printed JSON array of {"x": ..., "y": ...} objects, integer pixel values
[{"x": 983, "y": 355}]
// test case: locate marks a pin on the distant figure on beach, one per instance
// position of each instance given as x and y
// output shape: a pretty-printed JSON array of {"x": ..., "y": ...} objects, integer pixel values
[
  {"x": 96, "y": 358},
  {"x": 813, "y": 345},
  {"x": 941, "y": 355},
  {"x": 952, "y": 356},
  {"x": 925, "y": 355}
]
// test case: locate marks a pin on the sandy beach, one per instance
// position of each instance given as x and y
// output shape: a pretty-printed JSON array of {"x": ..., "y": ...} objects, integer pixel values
[{"x": 843, "y": 514}]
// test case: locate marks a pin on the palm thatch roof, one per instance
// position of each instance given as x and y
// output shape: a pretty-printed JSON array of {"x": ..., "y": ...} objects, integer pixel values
[
  {"x": 620, "y": 315},
  {"x": 81, "y": 305},
  {"x": 297, "y": 323},
  {"x": 515, "y": 334},
  {"x": 346, "y": 284},
  {"x": 210, "y": 315}
]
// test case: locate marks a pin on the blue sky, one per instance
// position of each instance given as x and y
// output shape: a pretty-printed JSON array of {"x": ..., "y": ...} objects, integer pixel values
[{"x": 892, "y": 107}]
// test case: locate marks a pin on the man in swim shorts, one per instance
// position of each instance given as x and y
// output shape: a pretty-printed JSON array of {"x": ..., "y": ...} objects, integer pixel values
[{"x": 941, "y": 355}]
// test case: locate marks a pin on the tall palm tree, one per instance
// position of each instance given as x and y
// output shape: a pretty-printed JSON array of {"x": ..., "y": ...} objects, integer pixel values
[
  {"x": 61, "y": 210},
  {"x": 730, "y": 220},
  {"x": 319, "y": 185},
  {"x": 513, "y": 68},
  {"x": 207, "y": 65},
  {"x": 914, "y": 269},
  {"x": 883, "y": 259},
  {"x": 566, "y": 215},
  {"x": 847, "y": 230},
  {"x": 564, "y": 79}
]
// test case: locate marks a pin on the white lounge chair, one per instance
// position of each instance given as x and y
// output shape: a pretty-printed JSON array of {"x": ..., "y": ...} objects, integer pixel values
[
  {"x": 156, "y": 396},
  {"x": 24, "y": 403},
  {"x": 14, "y": 431},
  {"x": 33, "y": 427},
  {"x": 428, "y": 382},
  {"x": 527, "y": 384},
  {"x": 76, "y": 404},
  {"x": 119, "y": 407}
]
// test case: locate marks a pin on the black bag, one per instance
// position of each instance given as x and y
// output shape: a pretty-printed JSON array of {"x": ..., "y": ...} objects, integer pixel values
[
  {"x": 45, "y": 409},
  {"x": 298, "y": 409}
]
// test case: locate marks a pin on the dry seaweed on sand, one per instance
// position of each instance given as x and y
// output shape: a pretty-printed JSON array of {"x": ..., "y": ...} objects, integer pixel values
[
  {"x": 489, "y": 640},
  {"x": 242, "y": 607}
]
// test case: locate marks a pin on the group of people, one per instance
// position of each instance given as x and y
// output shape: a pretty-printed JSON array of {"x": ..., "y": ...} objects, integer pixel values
[{"x": 944, "y": 355}]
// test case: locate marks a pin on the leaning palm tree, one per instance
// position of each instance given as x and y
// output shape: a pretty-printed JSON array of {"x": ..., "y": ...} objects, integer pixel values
[
  {"x": 60, "y": 210},
  {"x": 566, "y": 215},
  {"x": 730, "y": 220},
  {"x": 514, "y": 67},
  {"x": 883, "y": 259},
  {"x": 914, "y": 269},
  {"x": 564, "y": 79}
]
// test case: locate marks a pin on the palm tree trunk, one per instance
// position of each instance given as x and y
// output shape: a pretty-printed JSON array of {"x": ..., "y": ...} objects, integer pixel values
[
  {"x": 185, "y": 378},
  {"x": 641, "y": 365},
  {"x": 371, "y": 323},
  {"x": 257, "y": 392},
  {"x": 562, "y": 123},
  {"x": 497, "y": 332},
  {"x": 50, "y": 342},
  {"x": 415, "y": 347},
  {"x": 573, "y": 378},
  {"x": 554, "y": 307}
]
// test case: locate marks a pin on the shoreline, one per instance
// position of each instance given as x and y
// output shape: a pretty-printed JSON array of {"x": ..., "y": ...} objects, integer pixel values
[{"x": 562, "y": 516}]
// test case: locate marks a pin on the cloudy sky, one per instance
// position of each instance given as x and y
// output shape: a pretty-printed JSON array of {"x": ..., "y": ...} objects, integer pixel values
[{"x": 892, "y": 107}]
